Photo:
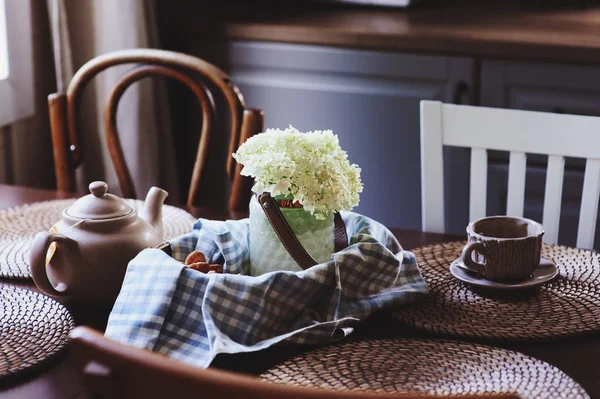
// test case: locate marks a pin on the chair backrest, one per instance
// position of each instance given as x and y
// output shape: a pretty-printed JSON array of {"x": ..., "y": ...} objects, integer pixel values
[
  {"x": 113, "y": 370},
  {"x": 189, "y": 70},
  {"x": 520, "y": 133}
]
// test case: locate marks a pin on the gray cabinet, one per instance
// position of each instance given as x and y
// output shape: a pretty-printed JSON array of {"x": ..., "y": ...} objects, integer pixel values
[
  {"x": 370, "y": 99},
  {"x": 540, "y": 87}
]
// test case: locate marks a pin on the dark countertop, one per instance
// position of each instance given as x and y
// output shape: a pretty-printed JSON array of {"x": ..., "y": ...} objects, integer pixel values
[{"x": 509, "y": 31}]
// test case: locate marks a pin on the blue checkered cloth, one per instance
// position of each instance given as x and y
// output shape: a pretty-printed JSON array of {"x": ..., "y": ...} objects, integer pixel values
[{"x": 166, "y": 307}]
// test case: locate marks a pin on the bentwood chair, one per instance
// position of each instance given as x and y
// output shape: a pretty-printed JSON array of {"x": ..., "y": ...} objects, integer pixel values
[
  {"x": 192, "y": 72},
  {"x": 520, "y": 133},
  {"x": 113, "y": 370}
]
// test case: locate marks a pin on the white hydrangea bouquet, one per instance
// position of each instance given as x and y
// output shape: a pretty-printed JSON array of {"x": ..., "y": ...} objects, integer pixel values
[{"x": 311, "y": 178}]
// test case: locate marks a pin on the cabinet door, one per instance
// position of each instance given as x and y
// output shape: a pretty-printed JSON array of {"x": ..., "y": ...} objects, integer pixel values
[
  {"x": 369, "y": 99},
  {"x": 540, "y": 87}
]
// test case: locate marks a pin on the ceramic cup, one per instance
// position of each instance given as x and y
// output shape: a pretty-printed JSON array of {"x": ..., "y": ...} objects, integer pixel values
[{"x": 503, "y": 248}]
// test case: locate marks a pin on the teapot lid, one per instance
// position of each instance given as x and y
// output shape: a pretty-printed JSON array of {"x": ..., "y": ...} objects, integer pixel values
[{"x": 99, "y": 204}]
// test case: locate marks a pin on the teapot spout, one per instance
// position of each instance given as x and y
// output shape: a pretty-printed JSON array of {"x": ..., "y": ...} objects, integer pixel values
[{"x": 152, "y": 212}]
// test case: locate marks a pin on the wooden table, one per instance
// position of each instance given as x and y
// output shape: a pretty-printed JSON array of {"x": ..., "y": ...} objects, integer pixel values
[{"x": 577, "y": 357}]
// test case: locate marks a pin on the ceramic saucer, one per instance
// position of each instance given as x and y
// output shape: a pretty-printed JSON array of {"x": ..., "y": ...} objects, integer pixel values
[{"x": 544, "y": 273}]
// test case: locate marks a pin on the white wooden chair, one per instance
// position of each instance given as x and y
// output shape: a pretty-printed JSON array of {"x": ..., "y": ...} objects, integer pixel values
[{"x": 520, "y": 133}]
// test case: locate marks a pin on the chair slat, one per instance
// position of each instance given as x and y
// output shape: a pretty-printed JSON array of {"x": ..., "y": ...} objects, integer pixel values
[
  {"x": 241, "y": 186},
  {"x": 516, "y": 184},
  {"x": 65, "y": 173},
  {"x": 552, "y": 197},
  {"x": 432, "y": 168},
  {"x": 589, "y": 204},
  {"x": 478, "y": 200}
]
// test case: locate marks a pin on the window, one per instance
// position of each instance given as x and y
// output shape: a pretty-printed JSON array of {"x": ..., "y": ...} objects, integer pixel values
[
  {"x": 3, "y": 44},
  {"x": 16, "y": 69}
]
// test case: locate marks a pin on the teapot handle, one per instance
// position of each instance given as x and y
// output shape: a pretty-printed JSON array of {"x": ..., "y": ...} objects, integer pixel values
[{"x": 37, "y": 260}]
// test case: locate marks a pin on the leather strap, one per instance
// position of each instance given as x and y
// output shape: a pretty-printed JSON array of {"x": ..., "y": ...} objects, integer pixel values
[
  {"x": 340, "y": 238},
  {"x": 165, "y": 247},
  {"x": 288, "y": 238}
]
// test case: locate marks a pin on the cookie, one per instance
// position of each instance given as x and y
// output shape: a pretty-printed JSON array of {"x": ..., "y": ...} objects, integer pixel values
[{"x": 195, "y": 257}]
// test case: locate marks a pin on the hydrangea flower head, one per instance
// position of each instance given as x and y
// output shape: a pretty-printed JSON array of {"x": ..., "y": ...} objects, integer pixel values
[{"x": 310, "y": 168}]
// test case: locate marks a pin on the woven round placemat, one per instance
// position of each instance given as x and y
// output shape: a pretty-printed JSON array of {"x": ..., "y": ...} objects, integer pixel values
[
  {"x": 19, "y": 225},
  {"x": 35, "y": 330},
  {"x": 439, "y": 367},
  {"x": 568, "y": 305}
]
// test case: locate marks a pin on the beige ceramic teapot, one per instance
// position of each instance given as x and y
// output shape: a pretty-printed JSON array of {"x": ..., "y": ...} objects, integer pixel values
[{"x": 94, "y": 241}]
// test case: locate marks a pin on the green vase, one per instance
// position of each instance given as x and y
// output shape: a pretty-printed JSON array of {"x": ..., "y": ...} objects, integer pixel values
[{"x": 268, "y": 254}]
